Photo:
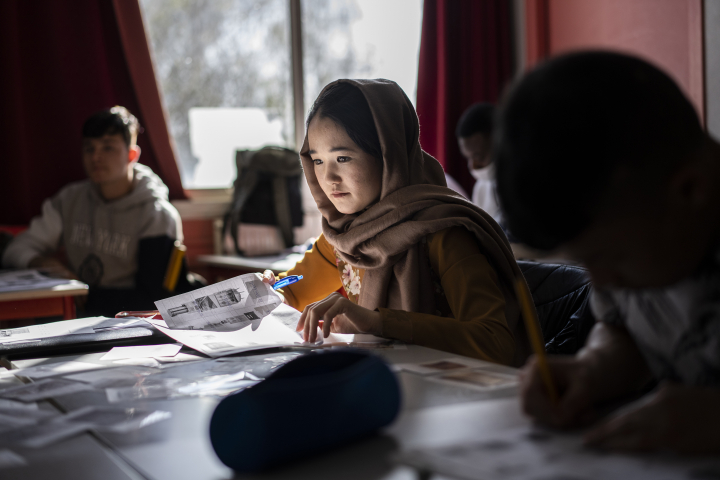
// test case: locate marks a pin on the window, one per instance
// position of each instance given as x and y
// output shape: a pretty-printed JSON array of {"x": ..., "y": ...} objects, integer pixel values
[
  {"x": 224, "y": 68},
  {"x": 360, "y": 39}
]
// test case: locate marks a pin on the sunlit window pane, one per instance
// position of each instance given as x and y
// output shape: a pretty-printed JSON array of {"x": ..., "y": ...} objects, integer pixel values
[
  {"x": 224, "y": 70},
  {"x": 360, "y": 39}
]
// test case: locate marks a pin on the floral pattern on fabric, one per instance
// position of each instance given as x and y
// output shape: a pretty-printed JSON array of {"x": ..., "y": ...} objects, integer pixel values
[{"x": 351, "y": 278}]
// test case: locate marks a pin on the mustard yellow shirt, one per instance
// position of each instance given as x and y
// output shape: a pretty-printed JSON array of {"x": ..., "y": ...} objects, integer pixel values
[{"x": 477, "y": 326}]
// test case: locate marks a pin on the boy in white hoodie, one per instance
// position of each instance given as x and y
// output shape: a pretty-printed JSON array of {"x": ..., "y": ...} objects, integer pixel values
[
  {"x": 474, "y": 134},
  {"x": 117, "y": 227}
]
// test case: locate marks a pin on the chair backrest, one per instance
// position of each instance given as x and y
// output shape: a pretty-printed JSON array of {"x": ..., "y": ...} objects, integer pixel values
[
  {"x": 561, "y": 294},
  {"x": 172, "y": 273}
]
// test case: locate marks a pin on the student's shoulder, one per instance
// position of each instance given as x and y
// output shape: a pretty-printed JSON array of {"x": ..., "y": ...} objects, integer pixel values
[
  {"x": 323, "y": 247},
  {"x": 152, "y": 193},
  {"x": 452, "y": 246},
  {"x": 165, "y": 209},
  {"x": 453, "y": 238}
]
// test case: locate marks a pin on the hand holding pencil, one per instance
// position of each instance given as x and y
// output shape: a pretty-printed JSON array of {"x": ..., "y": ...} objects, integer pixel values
[{"x": 554, "y": 391}]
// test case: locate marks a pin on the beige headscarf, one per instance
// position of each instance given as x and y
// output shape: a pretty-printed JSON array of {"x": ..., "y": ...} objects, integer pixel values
[{"x": 414, "y": 202}]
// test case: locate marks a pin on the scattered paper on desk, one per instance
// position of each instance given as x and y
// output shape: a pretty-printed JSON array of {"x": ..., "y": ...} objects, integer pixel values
[
  {"x": 50, "y": 387},
  {"x": 353, "y": 338},
  {"x": 114, "y": 377},
  {"x": 477, "y": 379},
  {"x": 531, "y": 453},
  {"x": 259, "y": 365},
  {"x": 226, "y": 306},
  {"x": 441, "y": 366},
  {"x": 142, "y": 351},
  {"x": 151, "y": 388},
  {"x": 369, "y": 346},
  {"x": 271, "y": 333},
  {"x": 114, "y": 419},
  {"x": 66, "y": 327},
  {"x": 11, "y": 422},
  {"x": 219, "y": 385},
  {"x": 27, "y": 280},
  {"x": 6, "y": 404},
  {"x": 120, "y": 323},
  {"x": 54, "y": 369},
  {"x": 39, "y": 436},
  {"x": 37, "y": 415},
  {"x": 179, "y": 358},
  {"x": 8, "y": 459},
  {"x": 140, "y": 362}
]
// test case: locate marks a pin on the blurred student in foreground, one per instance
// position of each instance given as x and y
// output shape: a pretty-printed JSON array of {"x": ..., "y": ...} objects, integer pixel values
[
  {"x": 474, "y": 134},
  {"x": 117, "y": 227},
  {"x": 601, "y": 157}
]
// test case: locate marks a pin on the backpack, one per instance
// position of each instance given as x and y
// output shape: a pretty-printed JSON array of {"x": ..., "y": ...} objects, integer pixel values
[{"x": 266, "y": 192}]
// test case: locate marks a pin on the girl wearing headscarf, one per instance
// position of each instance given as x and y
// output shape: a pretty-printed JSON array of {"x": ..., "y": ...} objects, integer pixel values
[{"x": 419, "y": 263}]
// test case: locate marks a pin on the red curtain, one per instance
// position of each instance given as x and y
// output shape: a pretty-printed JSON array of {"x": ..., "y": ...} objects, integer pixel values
[
  {"x": 537, "y": 31},
  {"x": 465, "y": 57},
  {"x": 61, "y": 62}
]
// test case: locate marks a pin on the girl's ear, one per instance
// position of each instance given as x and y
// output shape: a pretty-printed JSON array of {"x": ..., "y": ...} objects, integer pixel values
[{"x": 134, "y": 154}]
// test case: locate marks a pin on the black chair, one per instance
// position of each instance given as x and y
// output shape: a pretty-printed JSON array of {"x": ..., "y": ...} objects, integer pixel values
[{"x": 561, "y": 294}]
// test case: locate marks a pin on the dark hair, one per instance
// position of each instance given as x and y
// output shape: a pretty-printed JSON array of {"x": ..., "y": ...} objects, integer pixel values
[
  {"x": 345, "y": 104},
  {"x": 477, "y": 118},
  {"x": 110, "y": 122},
  {"x": 567, "y": 126}
]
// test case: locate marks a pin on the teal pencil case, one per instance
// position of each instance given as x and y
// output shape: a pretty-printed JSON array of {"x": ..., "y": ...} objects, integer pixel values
[{"x": 310, "y": 405}]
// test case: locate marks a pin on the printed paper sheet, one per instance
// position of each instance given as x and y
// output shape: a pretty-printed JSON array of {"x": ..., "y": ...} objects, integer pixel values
[
  {"x": 223, "y": 307},
  {"x": 18, "y": 280},
  {"x": 34, "y": 333},
  {"x": 274, "y": 331}
]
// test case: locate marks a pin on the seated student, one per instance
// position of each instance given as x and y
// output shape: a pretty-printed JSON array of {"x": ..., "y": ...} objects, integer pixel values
[
  {"x": 418, "y": 262},
  {"x": 601, "y": 157},
  {"x": 474, "y": 134},
  {"x": 117, "y": 226},
  {"x": 453, "y": 184}
]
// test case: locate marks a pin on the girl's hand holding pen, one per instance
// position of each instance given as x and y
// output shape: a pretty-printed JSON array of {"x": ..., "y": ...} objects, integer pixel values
[{"x": 269, "y": 277}]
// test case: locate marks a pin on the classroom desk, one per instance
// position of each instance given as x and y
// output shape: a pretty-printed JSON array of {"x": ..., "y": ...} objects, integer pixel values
[
  {"x": 82, "y": 457},
  {"x": 222, "y": 267},
  {"x": 42, "y": 302},
  {"x": 179, "y": 448}
]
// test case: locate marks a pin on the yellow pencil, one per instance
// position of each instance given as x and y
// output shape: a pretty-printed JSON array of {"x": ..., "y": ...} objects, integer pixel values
[
  {"x": 531, "y": 325},
  {"x": 174, "y": 265}
]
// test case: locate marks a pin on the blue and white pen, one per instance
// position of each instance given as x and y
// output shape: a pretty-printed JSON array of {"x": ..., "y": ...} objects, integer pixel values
[{"x": 287, "y": 281}]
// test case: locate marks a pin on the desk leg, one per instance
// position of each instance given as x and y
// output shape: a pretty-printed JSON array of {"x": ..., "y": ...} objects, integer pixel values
[{"x": 69, "y": 308}]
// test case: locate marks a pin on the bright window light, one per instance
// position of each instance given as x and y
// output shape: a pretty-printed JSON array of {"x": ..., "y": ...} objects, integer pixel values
[{"x": 224, "y": 68}]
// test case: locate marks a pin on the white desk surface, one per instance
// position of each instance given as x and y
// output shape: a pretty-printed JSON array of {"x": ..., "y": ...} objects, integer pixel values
[
  {"x": 276, "y": 263},
  {"x": 179, "y": 448},
  {"x": 72, "y": 289}
]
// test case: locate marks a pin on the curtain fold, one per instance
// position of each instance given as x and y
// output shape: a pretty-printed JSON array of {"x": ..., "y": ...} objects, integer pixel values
[
  {"x": 465, "y": 57},
  {"x": 537, "y": 28},
  {"x": 61, "y": 62}
]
